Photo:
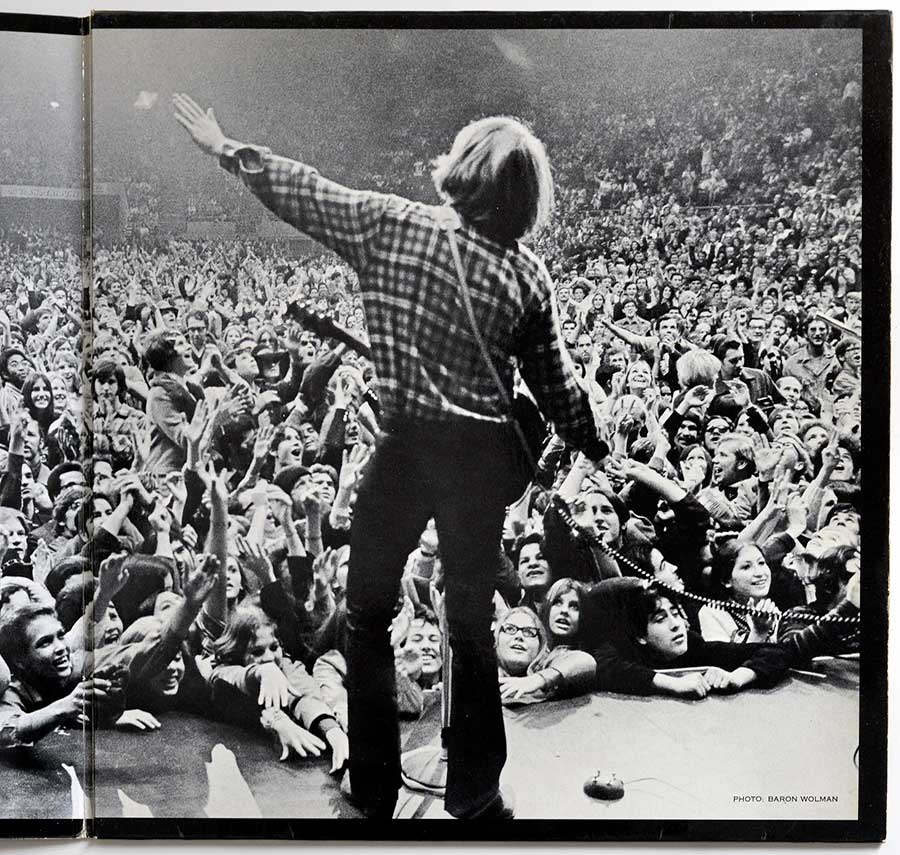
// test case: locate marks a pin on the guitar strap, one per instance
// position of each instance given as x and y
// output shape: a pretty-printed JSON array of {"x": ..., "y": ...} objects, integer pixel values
[{"x": 449, "y": 221}]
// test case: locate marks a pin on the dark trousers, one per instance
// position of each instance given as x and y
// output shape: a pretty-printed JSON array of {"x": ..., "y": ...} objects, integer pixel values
[{"x": 457, "y": 474}]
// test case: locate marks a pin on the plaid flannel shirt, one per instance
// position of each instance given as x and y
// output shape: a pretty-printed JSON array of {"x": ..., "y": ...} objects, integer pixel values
[{"x": 427, "y": 362}]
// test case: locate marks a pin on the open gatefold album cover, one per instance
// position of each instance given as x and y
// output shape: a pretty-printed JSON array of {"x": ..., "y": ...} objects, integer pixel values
[{"x": 417, "y": 418}]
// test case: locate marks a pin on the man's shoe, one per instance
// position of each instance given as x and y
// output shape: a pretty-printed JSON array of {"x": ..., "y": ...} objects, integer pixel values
[
  {"x": 370, "y": 812},
  {"x": 502, "y": 806}
]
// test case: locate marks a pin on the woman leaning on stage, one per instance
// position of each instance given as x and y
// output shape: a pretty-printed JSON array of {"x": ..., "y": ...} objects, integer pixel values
[
  {"x": 255, "y": 683},
  {"x": 45, "y": 686},
  {"x": 555, "y": 666}
]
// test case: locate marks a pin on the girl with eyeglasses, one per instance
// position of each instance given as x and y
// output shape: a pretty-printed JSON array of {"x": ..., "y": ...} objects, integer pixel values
[
  {"x": 518, "y": 638},
  {"x": 557, "y": 668}
]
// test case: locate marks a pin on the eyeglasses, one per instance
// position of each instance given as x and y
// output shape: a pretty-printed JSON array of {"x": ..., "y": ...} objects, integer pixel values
[{"x": 512, "y": 629}]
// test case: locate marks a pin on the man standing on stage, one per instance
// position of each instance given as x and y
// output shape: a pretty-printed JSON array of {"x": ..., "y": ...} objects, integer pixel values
[{"x": 447, "y": 448}]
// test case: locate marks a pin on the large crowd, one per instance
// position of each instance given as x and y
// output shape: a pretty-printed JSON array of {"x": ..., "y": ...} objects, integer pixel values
[{"x": 179, "y": 481}]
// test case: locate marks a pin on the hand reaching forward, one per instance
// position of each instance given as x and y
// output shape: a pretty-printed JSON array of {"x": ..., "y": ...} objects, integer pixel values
[
  {"x": 200, "y": 124},
  {"x": 274, "y": 692},
  {"x": 325, "y": 570},
  {"x": 697, "y": 396},
  {"x": 75, "y": 707},
  {"x": 263, "y": 443},
  {"x": 765, "y": 456},
  {"x": 160, "y": 519},
  {"x": 254, "y": 557},
  {"x": 513, "y": 688},
  {"x": 723, "y": 681},
  {"x": 401, "y": 622},
  {"x": 41, "y": 562},
  {"x": 193, "y": 430},
  {"x": 280, "y": 504},
  {"x": 690, "y": 686},
  {"x": 216, "y": 482},
  {"x": 351, "y": 467},
  {"x": 291, "y": 736},
  {"x": 113, "y": 574},
  {"x": 200, "y": 581},
  {"x": 340, "y": 749},
  {"x": 138, "y": 720},
  {"x": 17, "y": 426}
]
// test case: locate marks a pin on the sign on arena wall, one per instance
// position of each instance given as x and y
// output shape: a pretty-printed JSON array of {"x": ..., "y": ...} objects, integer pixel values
[{"x": 29, "y": 191}]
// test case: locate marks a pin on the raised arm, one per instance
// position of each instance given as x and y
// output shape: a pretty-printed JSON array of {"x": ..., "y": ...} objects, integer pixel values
[
  {"x": 815, "y": 491},
  {"x": 11, "y": 479},
  {"x": 342, "y": 219},
  {"x": 642, "y": 341},
  {"x": 215, "y": 606},
  {"x": 113, "y": 576},
  {"x": 665, "y": 488},
  {"x": 352, "y": 464}
]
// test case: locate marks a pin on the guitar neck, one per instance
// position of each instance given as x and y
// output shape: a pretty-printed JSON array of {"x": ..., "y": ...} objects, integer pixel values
[{"x": 352, "y": 340}]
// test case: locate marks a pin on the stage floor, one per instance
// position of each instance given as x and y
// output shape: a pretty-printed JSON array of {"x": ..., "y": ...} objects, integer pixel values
[{"x": 720, "y": 758}]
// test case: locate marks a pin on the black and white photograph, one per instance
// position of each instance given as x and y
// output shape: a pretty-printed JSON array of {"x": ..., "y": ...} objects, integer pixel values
[{"x": 430, "y": 418}]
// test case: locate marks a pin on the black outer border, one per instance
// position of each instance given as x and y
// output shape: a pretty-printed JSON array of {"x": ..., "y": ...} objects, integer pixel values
[
  {"x": 481, "y": 20},
  {"x": 876, "y": 254},
  {"x": 876, "y": 132},
  {"x": 50, "y": 24}
]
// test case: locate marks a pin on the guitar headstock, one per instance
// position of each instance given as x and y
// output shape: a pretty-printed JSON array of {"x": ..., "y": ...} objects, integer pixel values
[
  {"x": 303, "y": 312},
  {"x": 326, "y": 327}
]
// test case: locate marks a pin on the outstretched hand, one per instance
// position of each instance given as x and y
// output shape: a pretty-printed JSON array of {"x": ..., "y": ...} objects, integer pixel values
[
  {"x": 254, "y": 557},
  {"x": 200, "y": 580},
  {"x": 200, "y": 124},
  {"x": 113, "y": 574}
]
